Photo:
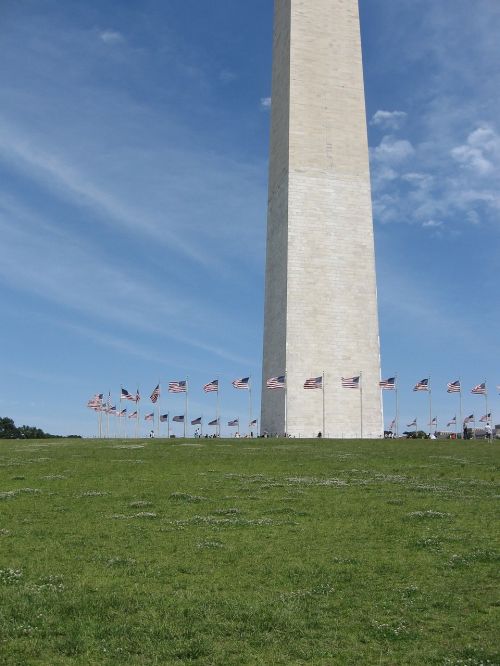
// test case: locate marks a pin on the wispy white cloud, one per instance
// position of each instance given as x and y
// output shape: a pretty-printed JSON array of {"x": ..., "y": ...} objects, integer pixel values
[
  {"x": 481, "y": 152},
  {"x": 111, "y": 37},
  {"x": 265, "y": 103},
  {"x": 391, "y": 120},
  {"x": 79, "y": 277}
]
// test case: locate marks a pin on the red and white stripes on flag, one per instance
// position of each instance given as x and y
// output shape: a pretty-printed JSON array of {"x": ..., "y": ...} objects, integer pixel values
[
  {"x": 314, "y": 383},
  {"x": 149, "y": 417},
  {"x": 242, "y": 383},
  {"x": 125, "y": 395},
  {"x": 211, "y": 386},
  {"x": 388, "y": 384},
  {"x": 155, "y": 395},
  {"x": 276, "y": 382},
  {"x": 350, "y": 382},
  {"x": 480, "y": 389},
  {"x": 422, "y": 385},
  {"x": 454, "y": 387},
  {"x": 177, "y": 387}
]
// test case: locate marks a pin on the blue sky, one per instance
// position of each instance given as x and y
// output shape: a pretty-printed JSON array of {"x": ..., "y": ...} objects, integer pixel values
[{"x": 133, "y": 188}]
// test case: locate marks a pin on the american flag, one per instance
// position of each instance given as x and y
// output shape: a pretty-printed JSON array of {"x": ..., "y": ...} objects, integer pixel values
[
  {"x": 196, "y": 421},
  {"x": 133, "y": 415},
  {"x": 392, "y": 424},
  {"x": 413, "y": 423},
  {"x": 480, "y": 389},
  {"x": 422, "y": 385},
  {"x": 454, "y": 387},
  {"x": 233, "y": 423},
  {"x": 434, "y": 421},
  {"x": 452, "y": 422},
  {"x": 95, "y": 402},
  {"x": 388, "y": 384},
  {"x": 314, "y": 383},
  {"x": 215, "y": 422},
  {"x": 276, "y": 382},
  {"x": 242, "y": 383},
  {"x": 486, "y": 417},
  {"x": 211, "y": 386},
  {"x": 149, "y": 417},
  {"x": 126, "y": 395},
  {"x": 123, "y": 412},
  {"x": 163, "y": 418},
  {"x": 468, "y": 419},
  {"x": 177, "y": 387},
  {"x": 350, "y": 382},
  {"x": 253, "y": 423},
  {"x": 137, "y": 396},
  {"x": 155, "y": 395},
  {"x": 179, "y": 419},
  {"x": 111, "y": 410}
]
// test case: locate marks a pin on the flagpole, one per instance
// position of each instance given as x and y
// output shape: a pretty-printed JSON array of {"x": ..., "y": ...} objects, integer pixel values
[
  {"x": 249, "y": 403},
  {"x": 486, "y": 399},
  {"x": 138, "y": 412},
  {"x": 397, "y": 408},
  {"x": 361, "y": 401},
  {"x": 460, "y": 406},
  {"x": 286, "y": 397},
  {"x": 323, "y": 392},
  {"x": 107, "y": 415},
  {"x": 118, "y": 425},
  {"x": 430, "y": 405},
  {"x": 217, "y": 411},
  {"x": 186, "y": 409},
  {"x": 158, "y": 407}
]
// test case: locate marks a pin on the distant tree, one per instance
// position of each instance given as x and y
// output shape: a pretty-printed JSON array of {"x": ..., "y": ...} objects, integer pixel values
[
  {"x": 8, "y": 429},
  {"x": 30, "y": 432}
]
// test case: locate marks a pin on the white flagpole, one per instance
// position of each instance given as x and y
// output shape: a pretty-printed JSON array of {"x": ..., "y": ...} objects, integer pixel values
[
  {"x": 361, "y": 401},
  {"x": 158, "y": 407},
  {"x": 286, "y": 397},
  {"x": 430, "y": 405},
  {"x": 397, "y": 407},
  {"x": 323, "y": 391},
  {"x": 460, "y": 406},
  {"x": 217, "y": 425},
  {"x": 186, "y": 410},
  {"x": 118, "y": 425},
  {"x": 486, "y": 400},
  {"x": 249, "y": 403},
  {"x": 107, "y": 414}
]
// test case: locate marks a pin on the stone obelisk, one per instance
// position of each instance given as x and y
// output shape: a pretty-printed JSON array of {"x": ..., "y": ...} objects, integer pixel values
[{"x": 321, "y": 299}]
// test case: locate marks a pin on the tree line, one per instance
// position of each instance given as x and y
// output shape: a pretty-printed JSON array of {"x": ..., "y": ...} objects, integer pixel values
[{"x": 9, "y": 430}]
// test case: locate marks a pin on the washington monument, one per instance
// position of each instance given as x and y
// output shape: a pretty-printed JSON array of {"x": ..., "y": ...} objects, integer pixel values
[{"x": 321, "y": 301}]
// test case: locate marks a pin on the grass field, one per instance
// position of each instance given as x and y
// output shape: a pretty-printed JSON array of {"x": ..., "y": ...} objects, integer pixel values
[{"x": 249, "y": 552}]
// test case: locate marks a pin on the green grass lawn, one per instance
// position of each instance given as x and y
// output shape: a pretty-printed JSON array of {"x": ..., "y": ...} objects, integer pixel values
[{"x": 249, "y": 552}]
